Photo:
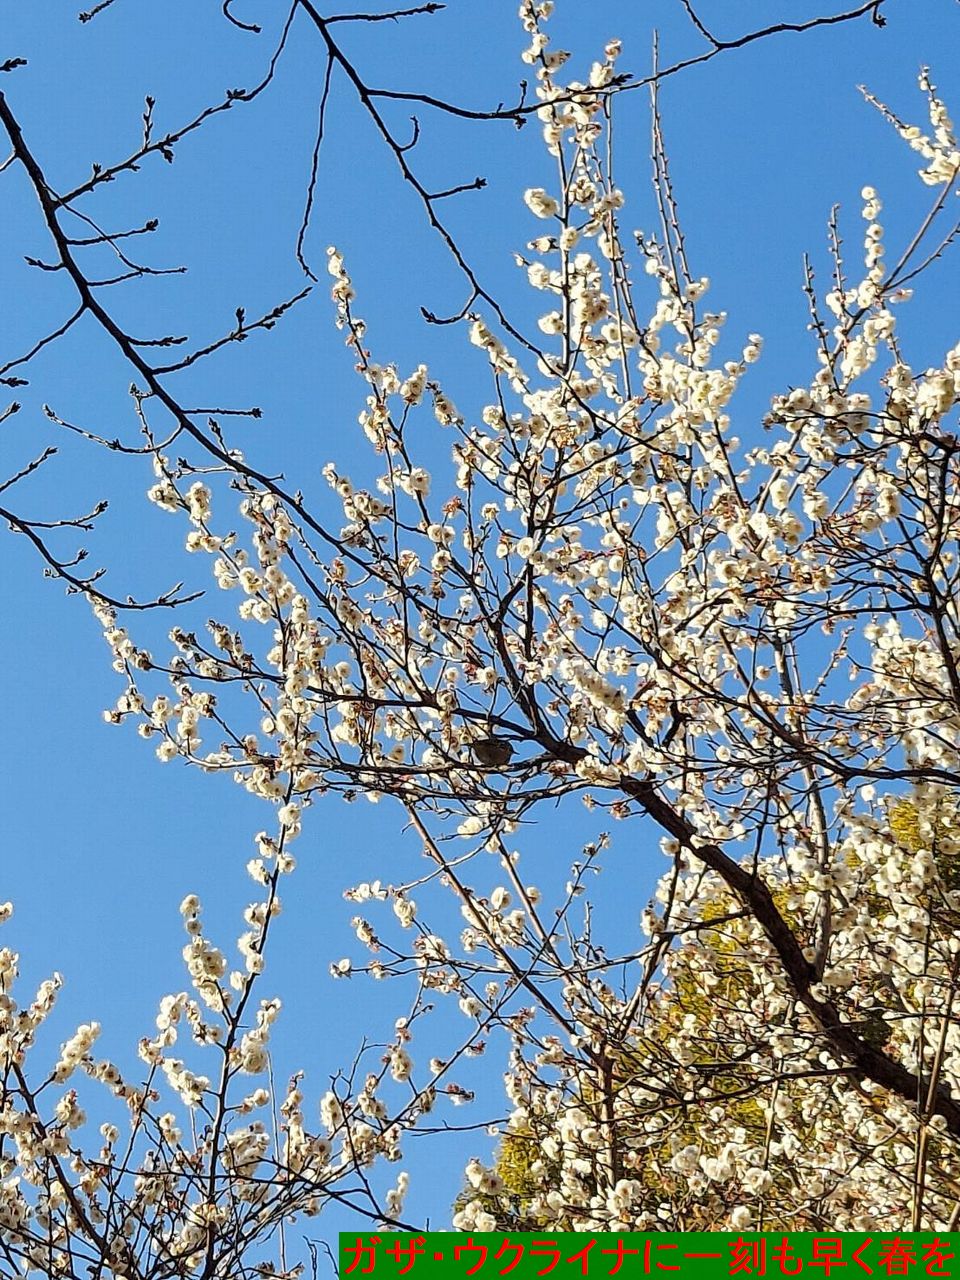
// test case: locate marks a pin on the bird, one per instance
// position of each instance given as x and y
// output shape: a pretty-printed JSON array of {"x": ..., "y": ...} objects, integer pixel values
[{"x": 492, "y": 752}]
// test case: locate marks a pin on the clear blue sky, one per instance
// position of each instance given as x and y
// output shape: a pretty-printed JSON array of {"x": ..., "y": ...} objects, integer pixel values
[{"x": 101, "y": 842}]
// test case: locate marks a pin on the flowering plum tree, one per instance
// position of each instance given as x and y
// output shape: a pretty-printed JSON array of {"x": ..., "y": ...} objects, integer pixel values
[{"x": 740, "y": 639}]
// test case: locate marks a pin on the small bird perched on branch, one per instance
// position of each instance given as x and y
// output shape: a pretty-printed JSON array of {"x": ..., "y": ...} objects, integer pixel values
[{"x": 492, "y": 752}]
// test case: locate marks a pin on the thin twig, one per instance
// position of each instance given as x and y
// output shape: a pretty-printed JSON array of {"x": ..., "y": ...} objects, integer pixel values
[{"x": 314, "y": 167}]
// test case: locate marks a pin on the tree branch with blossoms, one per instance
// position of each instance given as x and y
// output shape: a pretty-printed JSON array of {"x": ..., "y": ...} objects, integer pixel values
[{"x": 614, "y": 603}]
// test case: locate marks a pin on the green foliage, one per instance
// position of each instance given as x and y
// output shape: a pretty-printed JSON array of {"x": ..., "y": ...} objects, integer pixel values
[
  {"x": 521, "y": 1172},
  {"x": 930, "y": 827}
]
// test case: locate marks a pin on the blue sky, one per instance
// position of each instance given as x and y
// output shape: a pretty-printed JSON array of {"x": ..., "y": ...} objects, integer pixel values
[{"x": 101, "y": 842}]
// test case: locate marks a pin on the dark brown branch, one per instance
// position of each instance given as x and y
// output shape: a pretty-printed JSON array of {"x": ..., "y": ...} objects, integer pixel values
[
  {"x": 50, "y": 209},
  {"x": 108, "y": 237},
  {"x": 243, "y": 26},
  {"x": 518, "y": 113},
  {"x": 90, "y": 14},
  {"x": 135, "y": 274},
  {"x": 515, "y": 114},
  {"x": 44, "y": 342},
  {"x": 314, "y": 167},
  {"x": 239, "y": 334},
  {"x": 476, "y": 185},
  {"x": 694, "y": 18},
  {"x": 336, "y": 53},
  {"x": 29, "y": 469},
  {"x": 88, "y": 585},
  {"x": 871, "y": 8},
  {"x": 164, "y": 145},
  {"x": 394, "y": 16},
  {"x": 751, "y": 890}
]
